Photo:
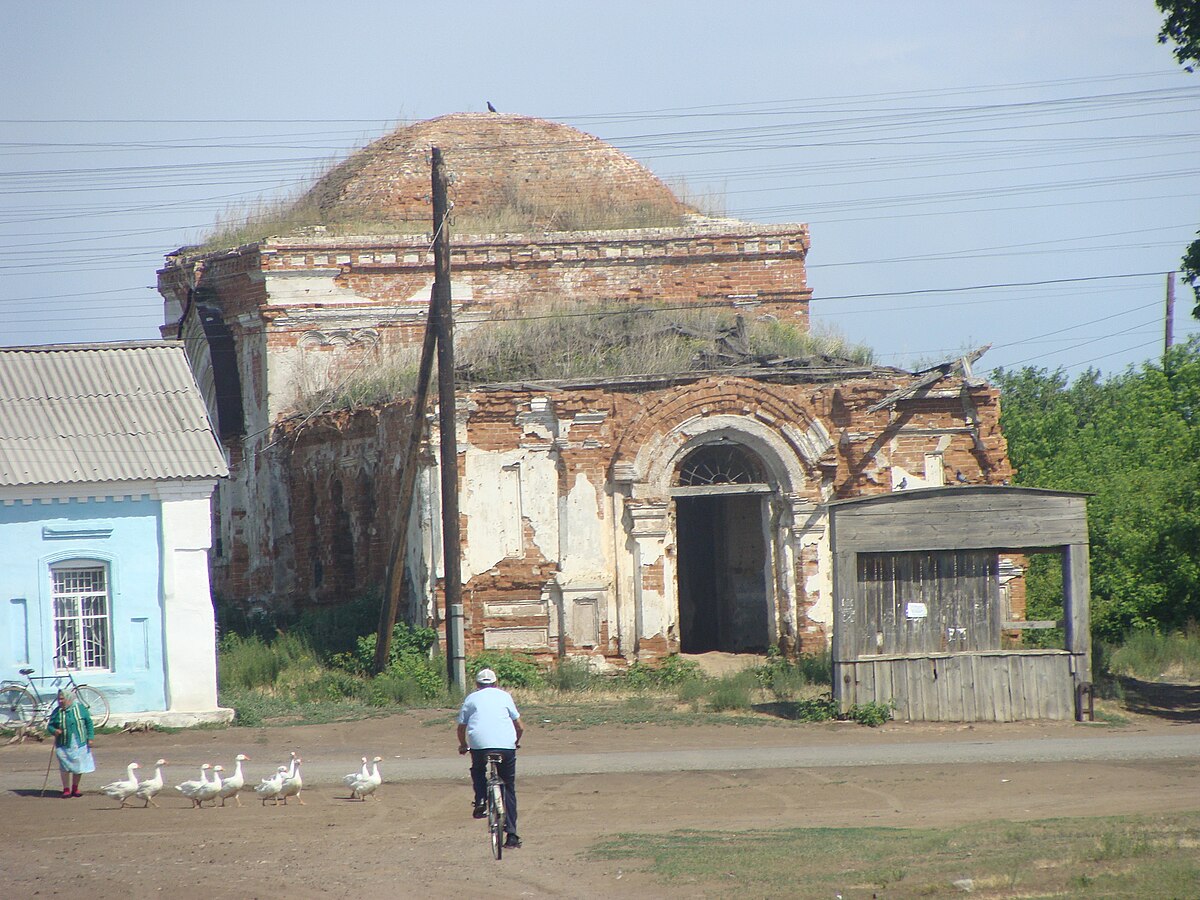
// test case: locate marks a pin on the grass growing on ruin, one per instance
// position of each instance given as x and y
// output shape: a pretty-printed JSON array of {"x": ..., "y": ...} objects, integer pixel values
[
  {"x": 518, "y": 213},
  {"x": 583, "y": 341},
  {"x": 1123, "y": 856},
  {"x": 579, "y": 341}
]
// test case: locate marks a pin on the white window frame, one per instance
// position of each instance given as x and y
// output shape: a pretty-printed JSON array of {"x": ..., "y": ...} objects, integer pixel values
[{"x": 81, "y": 607}]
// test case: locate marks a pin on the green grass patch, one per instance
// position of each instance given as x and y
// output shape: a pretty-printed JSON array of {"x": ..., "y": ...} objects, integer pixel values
[{"x": 1110, "y": 856}]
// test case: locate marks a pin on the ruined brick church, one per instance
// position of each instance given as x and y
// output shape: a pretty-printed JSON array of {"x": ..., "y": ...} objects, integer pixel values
[{"x": 615, "y": 518}]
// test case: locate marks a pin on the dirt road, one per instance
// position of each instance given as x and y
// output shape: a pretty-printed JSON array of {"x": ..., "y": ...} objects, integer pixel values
[{"x": 418, "y": 840}]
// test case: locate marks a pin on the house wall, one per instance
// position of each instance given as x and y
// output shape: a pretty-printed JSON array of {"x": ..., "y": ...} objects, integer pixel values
[{"x": 154, "y": 540}]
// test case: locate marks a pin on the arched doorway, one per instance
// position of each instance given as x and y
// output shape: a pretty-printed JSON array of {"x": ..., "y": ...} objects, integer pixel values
[{"x": 721, "y": 499}]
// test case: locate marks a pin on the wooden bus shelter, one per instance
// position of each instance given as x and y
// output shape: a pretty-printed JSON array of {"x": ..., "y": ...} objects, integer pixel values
[{"x": 919, "y": 617}]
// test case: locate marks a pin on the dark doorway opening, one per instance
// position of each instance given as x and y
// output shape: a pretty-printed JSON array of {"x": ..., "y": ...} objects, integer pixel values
[{"x": 722, "y": 558}]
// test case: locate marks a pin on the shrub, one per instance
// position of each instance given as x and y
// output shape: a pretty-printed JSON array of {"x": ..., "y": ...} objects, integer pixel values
[
  {"x": 814, "y": 709},
  {"x": 515, "y": 670},
  {"x": 872, "y": 713},
  {"x": 675, "y": 670},
  {"x": 408, "y": 641},
  {"x": 426, "y": 673},
  {"x": 817, "y": 668}
]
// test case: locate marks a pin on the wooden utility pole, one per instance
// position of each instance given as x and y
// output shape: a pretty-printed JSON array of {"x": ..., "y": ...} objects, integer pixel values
[
  {"x": 447, "y": 424},
  {"x": 1169, "y": 334},
  {"x": 395, "y": 582}
]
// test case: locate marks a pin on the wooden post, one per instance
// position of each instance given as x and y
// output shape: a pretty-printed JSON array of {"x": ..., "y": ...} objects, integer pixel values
[
  {"x": 394, "y": 583},
  {"x": 447, "y": 424},
  {"x": 1077, "y": 611},
  {"x": 1169, "y": 334}
]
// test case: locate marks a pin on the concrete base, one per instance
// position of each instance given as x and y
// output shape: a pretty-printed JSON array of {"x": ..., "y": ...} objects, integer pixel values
[{"x": 172, "y": 718}]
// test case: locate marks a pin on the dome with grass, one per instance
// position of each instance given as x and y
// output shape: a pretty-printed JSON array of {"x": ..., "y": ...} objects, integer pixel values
[{"x": 508, "y": 173}]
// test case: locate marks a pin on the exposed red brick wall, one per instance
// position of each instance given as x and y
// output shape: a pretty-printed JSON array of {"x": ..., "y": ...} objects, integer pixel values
[
  {"x": 360, "y": 451},
  {"x": 497, "y": 161}
]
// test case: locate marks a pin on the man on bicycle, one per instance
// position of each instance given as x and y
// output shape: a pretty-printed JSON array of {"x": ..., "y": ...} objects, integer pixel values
[{"x": 489, "y": 723}]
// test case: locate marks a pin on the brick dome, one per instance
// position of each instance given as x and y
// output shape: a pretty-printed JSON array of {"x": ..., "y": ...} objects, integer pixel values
[{"x": 509, "y": 173}]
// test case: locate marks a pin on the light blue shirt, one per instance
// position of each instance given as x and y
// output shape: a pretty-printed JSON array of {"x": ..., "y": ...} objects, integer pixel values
[{"x": 489, "y": 714}]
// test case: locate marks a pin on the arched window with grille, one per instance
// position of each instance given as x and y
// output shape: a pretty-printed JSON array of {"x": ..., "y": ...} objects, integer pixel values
[
  {"x": 82, "y": 611},
  {"x": 723, "y": 462}
]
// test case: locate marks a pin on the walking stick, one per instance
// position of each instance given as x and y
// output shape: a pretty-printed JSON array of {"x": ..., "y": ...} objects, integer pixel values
[{"x": 49, "y": 763}]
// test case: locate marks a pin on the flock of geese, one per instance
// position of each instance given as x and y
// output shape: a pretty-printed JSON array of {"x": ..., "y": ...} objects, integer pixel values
[{"x": 277, "y": 789}]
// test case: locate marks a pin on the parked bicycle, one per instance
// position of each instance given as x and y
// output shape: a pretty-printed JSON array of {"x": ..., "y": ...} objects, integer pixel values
[
  {"x": 29, "y": 703},
  {"x": 496, "y": 817}
]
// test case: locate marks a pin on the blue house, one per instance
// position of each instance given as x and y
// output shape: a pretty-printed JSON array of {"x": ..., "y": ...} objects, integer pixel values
[{"x": 108, "y": 463}]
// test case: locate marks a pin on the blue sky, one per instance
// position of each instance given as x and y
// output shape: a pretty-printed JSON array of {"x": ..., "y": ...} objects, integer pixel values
[{"x": 1021, "y": 174}]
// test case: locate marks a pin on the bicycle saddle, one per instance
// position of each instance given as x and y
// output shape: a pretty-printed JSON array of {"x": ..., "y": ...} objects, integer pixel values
[{"x": 26, "y": 671}]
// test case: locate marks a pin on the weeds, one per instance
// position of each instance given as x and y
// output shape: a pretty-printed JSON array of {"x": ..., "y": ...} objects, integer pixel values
[
  {"x": 251, "y": 662},
  {"x": 571, "y": 676},
  {"x": 577, "y": 341},
  {"x": 307, "y": 672},
  {"x": 733, "y": 692},
  {"x": 515, "y": 670},
  {"x": 1153, "y": 656},
  {"x": 872, "y": 714}
]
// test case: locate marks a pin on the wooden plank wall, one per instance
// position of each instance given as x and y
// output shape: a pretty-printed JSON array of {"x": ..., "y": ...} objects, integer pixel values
[
  {"x": 960, "y": 519},
  {"x": 967, "y": 687},
  {"x": 927, "y": 602}
]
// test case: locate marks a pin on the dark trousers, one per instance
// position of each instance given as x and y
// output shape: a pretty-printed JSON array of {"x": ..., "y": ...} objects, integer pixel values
[{"x": 508, "y": 774}]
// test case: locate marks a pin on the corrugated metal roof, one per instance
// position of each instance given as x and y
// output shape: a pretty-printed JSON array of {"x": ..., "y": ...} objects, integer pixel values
[{"x": 102, "y": 412}]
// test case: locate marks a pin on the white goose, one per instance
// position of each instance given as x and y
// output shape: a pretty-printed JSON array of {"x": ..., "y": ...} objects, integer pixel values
[
  {"x": 190, "y": 789},
  {"x": 269, "y": 788},
  {"x": 211, "y": 790},
  {"x": 348, "y": 780},
  {"x": 233, "y": 785},
  {"x": 122, "y": 790},
  {"x": 293, "y": 783},
  {"x": 146, "y": 790},
  {"x": 365, "y": 787}
]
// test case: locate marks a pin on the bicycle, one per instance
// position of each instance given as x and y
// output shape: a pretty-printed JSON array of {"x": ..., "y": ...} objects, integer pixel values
[
  {"x": 22, "y": 705},
  {"x": 496, "y": 817}
]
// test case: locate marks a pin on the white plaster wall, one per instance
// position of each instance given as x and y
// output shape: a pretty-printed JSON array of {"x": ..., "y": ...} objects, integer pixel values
[
  {"x": 189, "y": 627},
  {"x": 306, "y": 286},
  {"x": 820, "y": 585},
  {"x": 584, "y": 556},
  {"x": 496, "y": 516}
]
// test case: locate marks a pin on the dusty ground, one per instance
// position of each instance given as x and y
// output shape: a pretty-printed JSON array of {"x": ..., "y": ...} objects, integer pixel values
[{"x": 419, "y": 840}]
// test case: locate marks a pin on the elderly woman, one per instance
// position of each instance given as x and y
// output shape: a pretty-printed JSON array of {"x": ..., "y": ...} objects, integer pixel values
[{"x": 71, "y": 725}]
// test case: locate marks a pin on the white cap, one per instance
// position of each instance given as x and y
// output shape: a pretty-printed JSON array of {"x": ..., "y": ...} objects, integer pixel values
[{"x": 485, "y": 676}]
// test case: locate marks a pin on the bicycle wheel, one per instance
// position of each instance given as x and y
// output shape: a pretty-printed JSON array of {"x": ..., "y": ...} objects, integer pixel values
[
  {"x": 96, "y": 703},
  {"x": 17, "y": 707},
  {"x": 495, "y": 803}
]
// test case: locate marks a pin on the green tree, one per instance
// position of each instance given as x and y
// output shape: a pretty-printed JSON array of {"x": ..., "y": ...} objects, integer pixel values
[
  {"x": 1133, "y": 442},
  {"x": 1181, "y": 27}
]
